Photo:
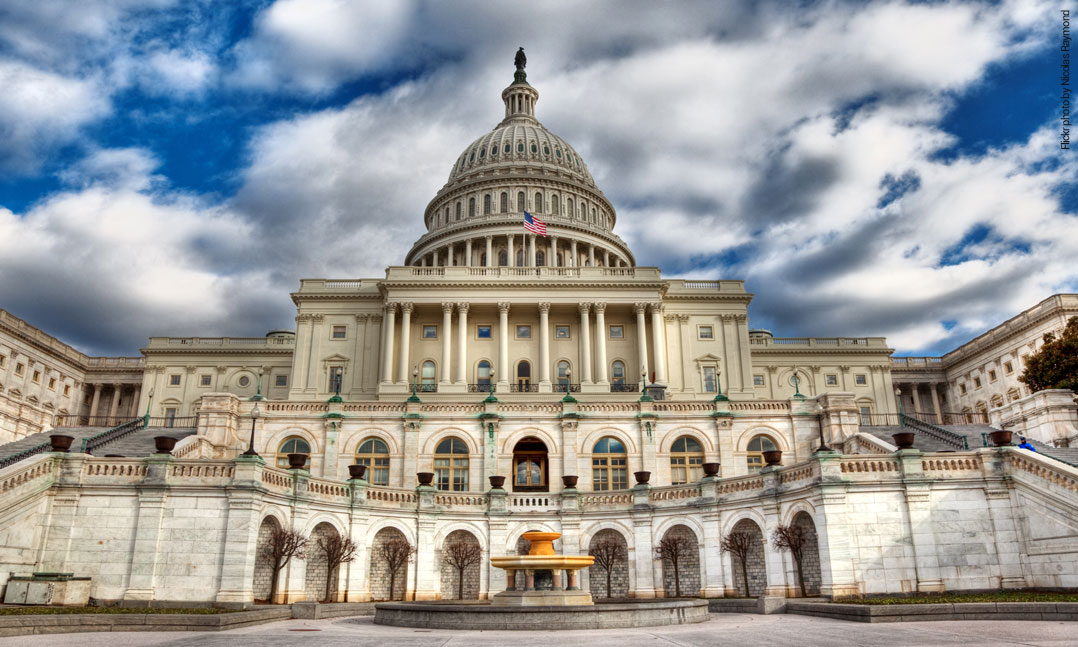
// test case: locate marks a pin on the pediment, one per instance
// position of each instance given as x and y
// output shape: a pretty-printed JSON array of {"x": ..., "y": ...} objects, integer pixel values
[{"x": 708, "y": 359}]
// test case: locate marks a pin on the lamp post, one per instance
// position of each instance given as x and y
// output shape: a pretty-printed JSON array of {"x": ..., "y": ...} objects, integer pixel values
[
  {"x": 415, "y": 381},
  {"x": 901, "y": 413},
  {"x": 258, "y": 394},
  {"x": 568, "y": 386},
  {"x": 146, "y": 418},
  {"x": 644, "y": 397},
  {"x": 490, "y": 393},
  {"x": 819, "y": 421},
  {"x": 719, "y": 397},
  {"x": 255, "y": 413}
]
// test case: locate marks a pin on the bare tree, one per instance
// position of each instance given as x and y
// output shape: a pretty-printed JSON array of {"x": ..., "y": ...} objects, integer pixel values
[
  {"x": 608, "y": 554},
  {"x": 282, "y": 546},
  {"x": 792, "y": 538},
  {"x": 739, "y": 544},
  {"x": 338, "y": 550},
  {"x": 672, "y": 549},
  {"x": 460, "y": 555},
  {"x": 396, "y": 552}
]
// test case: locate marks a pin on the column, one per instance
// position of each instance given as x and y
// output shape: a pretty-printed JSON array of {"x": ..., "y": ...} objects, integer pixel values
[
  {"x": 435, "y": 263},
  {"x": 936, "y": 404},
  {"x": 512, "y": 252},
  {"x": 591, "y": 255},
  {"x": 359, "y": 352},
  {"x": 136, "y": 394},
  {"x": 606, "y": 258},
  {"x": 585, "y": 344},
  {"x": 544, "y": 345},
  {"x": 531, "y": 250},
  {"x": 390, "y": 323},
  {"x": 314, "y": 366},
  {"x": 94, "y": 403},
  {"x": 641, "y": 338},
  {"x": 462, "y": 337},
  {"x": 406, "y": 337},
  {"x": 572, "y": 254},
  {"x": 490, "y": 251},
  {"x": 502, "y": 372},
  {"x": 914, "y": 393},
  {"x": 552, "y": 253},
  {"x": 659, "y": 342},
  {"x": 468, "y": 253},
  {"x": 447, "y": 323},
  {"x": 600, "y": 343},
  {"x": 450, "y": 258},
  {"x": 113, "y": 408}
]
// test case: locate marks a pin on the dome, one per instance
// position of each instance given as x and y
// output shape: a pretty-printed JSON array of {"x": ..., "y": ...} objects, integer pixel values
[{"x": 516, "y": 143}]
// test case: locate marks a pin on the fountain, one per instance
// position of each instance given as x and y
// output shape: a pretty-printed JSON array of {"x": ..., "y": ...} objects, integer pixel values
[{"x": 541, "y": 559}]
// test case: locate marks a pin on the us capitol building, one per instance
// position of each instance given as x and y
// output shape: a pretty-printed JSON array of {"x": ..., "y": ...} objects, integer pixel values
[{"x": 618, "y": 405}]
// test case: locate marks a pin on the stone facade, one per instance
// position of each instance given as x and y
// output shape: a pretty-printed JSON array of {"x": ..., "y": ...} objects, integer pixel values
[
  {"x": 381, "y": 576},
  {"x": 688, "y": 566},
  {"x": 755, "y": 562},
  {"x": 451, "y": 575},
  {"x": 810, "y": 559},
  {"x": 619, "y": 574}
]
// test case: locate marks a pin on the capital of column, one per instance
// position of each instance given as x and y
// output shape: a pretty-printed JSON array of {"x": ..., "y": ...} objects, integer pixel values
[
  {"x": 362, "y": 318},
  {"x": 584, "y": 308},
  {"x": 544, "y": 308},
  {"x": 656, "y": 308},
  {"x": 462, "y": 306},
  {"x": 599, "y": 307},
  {"x": 503, "y": 307},
  {"x": 406, "y": 307},
  {"x": 391, "y": 307},
  {"x": 640, "y": 307},
  {"x": 447, "y": 307},
  {"x": 488, "y": 237},
  {"x": 317, "y": 318},
  {"x": 683, "y": 318}
]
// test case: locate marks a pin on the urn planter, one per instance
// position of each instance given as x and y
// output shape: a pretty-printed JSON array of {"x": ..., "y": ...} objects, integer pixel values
[
  {"x": 164, "y": 444},
  {"x": 496, "y": 482},
  {"x": 1000, "y": 438},
  {"x": 60, "y": 442},
  {"x": 773, "y": 457},
  {"x": 904, "y": 439},
  {"x": 357, "y": 471},
  {"x": 425, "y": 478},
  {"x": 642, "y": 478},
  {"x": 569, "y": 481},
  {"x": 711, "y": 469},
  {"x": 297, "y": 461}
]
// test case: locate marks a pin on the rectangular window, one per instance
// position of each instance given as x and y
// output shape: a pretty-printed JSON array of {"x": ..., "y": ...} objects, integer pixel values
[
  {"x": 1007, "y": 366},
  {"x": 174, "y": 380},
  {"x": 20, "y": 369},
  {"x": 757, "y": 380},
  {"x": 482, "y": 331},
  {"x": 976, "y": 382},
  {"x": 992, "y": 376},
  {"x": 962, "y": 388},
  {"x": 430, "y": 332},
  {"x": 866, "y": 416},
  {"x": 860, "y": 380},
  {"x": 205, "y": 380},
  {"x": 709, "y": 379},
  {"x": 832, "y": 380},
  {"x": 37, "y": 377},
  {"x": 3, "y": 361},
  {"x": 617, "y": 332},
  {"x": 339, "y": 332},
  {"x": 524, "y": 332},
  {"x": 705, "y": 332},
  {"x": 561, "y": 332},
  {"x": 282, "y": 380},
  {"x": 67, "y": 390},
  {"x": 52, "y": 383},
  {"x": 170, "y": 417}
]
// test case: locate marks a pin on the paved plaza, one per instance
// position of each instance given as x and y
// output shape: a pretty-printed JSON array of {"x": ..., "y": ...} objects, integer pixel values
[{"x": 727, "y": 630}]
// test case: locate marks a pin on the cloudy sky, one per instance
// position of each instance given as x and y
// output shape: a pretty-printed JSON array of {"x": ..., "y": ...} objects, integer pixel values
[{"x": 174, "y": 168}]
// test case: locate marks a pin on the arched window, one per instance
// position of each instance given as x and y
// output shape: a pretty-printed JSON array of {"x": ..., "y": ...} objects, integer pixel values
[
  {"x": 530, "y": 466},
  {"x": 617, "y": 372},
  {"x": 482, "y": 376},
  {"x": 524, "y": 375},
  {"x": 520, "y": 201},
  {"x": 757, "y": 447},
  {"x": 375, "y": 455},
  {"x": 471, "y": 207},
  {"x": 446, "y": 221},
  {"x": 503, "y": 258},
  {"x": 483, "y": 259},
  {"x": 487, "y": 204},
  {"x": 504, "y": 203},
  {"x": 569, "y": 207},
  {"x": 540, "y": 258},
  {"x": 458, "y": 211},
  {"x": 293, "y": 445},
  {"x": 451, "y": 465},
  {"x": 608, "y": 465},
  {"x": 538, "y": 206},
  {"x": 555, "y": 204},
  {"x": 563, "y": 374},
  {"x": 686, "y": 459},
  {"x": 426, "y": 377}
]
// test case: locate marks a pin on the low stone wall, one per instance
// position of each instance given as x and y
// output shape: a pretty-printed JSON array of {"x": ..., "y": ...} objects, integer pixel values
[
  {"x": 487, "y": 617},
  {"x": 63, "y": 623},
  {"x": 1066, "y": 611}
]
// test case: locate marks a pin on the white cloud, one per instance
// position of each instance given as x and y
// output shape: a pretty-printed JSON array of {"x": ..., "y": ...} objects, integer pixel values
[{"x": 179, "y": 72}]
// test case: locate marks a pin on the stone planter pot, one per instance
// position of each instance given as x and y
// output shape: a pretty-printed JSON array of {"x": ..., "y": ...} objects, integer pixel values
[
  {"x": 60, "y": 442},
  {"x": 496, "y": 482},
  {"x": 425, "y": 478},
  {"x": 642, "y": 478},
  {"x": 297, "y": 461},
  {"x": 711, "y": 469},
  {"x": 904, "y": 439},
  {"x": 164, "y": 444},
  {"x": 1000, "y": 438},
  {"x": 569, "y": 481},
  {"x": 773, "y": 457},
  {"x": 356, "y": 472}
]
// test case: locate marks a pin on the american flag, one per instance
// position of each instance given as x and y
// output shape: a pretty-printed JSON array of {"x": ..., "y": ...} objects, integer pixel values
[{"x": 534, "y": 225}]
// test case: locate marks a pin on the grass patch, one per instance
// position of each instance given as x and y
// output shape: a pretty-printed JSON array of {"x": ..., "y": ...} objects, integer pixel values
[
  {"x": 1001, "y": 596},
  {"x": 44, "y": 611}
]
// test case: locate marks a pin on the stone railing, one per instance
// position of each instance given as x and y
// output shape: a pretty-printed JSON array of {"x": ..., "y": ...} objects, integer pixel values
[
  {"x": 916, "y": 362},
  {"x": 201, "y": 472},
  {"x": 1053, "y": 472},
  {"x": 856, "y": 466},
  {"x": 949, "y": 465},
  {"x": 38, "y": 471},
  {"x": 874, "y": 342},
  {"x": 460, "y": 500},
  {"x": 114, "y": 469},
  {"x": 391, "y": 496},
  {"x": 533, "y": 502},
  {"x": 782, "y": 406},
  {"x": 616, "y": 498},
  {"x": 674, "y": 492}
]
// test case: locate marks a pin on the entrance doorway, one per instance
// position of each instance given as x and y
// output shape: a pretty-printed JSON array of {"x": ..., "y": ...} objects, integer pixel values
[{"x": 530, "y": 466}]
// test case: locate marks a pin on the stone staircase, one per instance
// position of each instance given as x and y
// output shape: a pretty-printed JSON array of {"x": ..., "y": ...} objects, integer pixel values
[
  {"x": 135, "y": 443},
  {"x": 975, "y": 435}
]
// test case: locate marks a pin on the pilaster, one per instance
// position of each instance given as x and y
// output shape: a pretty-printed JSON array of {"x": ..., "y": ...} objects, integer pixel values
[{"x": 239, "y": 548}]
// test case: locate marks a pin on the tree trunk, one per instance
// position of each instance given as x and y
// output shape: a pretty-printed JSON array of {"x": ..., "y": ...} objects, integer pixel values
[
  {"x": 677, "y": 580},
  {"x": 609, "y": 592},
  {"x": 745, "y": 575},
  {"x": 273, "y": 583},
  {"x": 392, "y": 584},
  {"x": 460, "y": 583},
  {"x": 329, "y": 581},
  {"x": 801, "y": 577}
]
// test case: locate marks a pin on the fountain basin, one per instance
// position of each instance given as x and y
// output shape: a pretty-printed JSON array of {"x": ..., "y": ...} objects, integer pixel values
[{"x": 450, "y": 615}]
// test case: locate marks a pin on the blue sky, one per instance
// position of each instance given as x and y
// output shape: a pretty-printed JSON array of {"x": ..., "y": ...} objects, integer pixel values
[{"x": 880, "y": 168}]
